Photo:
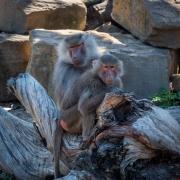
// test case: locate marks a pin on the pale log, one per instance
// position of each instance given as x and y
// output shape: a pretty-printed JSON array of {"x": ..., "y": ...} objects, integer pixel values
[
  {"x": 22, "y": 152},
  {"x": 132, "y": 139}
]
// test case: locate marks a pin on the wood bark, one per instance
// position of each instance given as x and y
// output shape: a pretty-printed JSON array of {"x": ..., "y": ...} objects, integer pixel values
[{"x": 133, "y": 139}]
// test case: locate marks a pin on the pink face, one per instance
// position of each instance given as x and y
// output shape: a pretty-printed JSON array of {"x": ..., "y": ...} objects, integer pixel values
[
  {"x": 108, "y": 74},
  {"x": 77, "y": 54}
]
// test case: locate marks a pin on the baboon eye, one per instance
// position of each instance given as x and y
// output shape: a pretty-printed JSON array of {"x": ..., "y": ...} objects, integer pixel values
[{"x": 105, "y": 67}]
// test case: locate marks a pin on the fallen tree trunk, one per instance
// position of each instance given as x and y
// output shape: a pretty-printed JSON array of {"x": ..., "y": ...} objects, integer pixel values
[
  {"x": 132, "y": 139},
  {"x": 22, "y": 152}
]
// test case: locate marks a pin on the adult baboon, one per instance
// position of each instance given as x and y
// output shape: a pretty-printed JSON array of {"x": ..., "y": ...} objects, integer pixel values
[{"x": 76, "y": 54}]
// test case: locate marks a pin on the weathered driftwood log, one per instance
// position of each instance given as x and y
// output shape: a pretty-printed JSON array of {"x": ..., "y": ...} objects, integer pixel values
[
  {"x": 22, "y": 152},
  {"x": 133, "y": 139},
  {"x": 44, "y": 113},
  {"x": 148, "y": 131},
  {"x": 37, "y": 102}
]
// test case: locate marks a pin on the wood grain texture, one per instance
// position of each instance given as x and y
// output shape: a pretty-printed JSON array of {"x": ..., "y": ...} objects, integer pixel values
[{"x": 22, "y": 152}]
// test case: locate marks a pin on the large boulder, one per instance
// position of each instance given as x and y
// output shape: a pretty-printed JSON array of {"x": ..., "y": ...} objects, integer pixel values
[
  {"x": 156, "y": 22},
  {"x": 20, "y": 16},
  {"x": 14, "y": 56},
  {"x": 146, "y": 67}
]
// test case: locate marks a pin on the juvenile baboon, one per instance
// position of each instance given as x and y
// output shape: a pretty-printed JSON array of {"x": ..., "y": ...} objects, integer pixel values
[
  {"x": 90, "y": 89},
  {"x": 76, "y": 54}
]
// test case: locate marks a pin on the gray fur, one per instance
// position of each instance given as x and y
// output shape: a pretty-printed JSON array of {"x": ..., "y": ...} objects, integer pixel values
[
  {"x": 64, "y": 77},
  {"x": 65, "y": 74},
  {"x": 89, "y": 91}
]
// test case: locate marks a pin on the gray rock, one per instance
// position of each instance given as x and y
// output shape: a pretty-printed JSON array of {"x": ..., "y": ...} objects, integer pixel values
[
  {"x": 109, "y": 28},
  {"x": 146, "y": 67},
  {"x": 20, "y": 16},
  {"x": 14, "y": 56},
  {"x": 156, "y": 22}
]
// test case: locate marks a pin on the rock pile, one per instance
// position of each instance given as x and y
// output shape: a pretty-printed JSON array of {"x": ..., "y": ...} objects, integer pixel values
[
  {"x": 21, "y": 16},
  {"x": 155, "y": 22},
  {"x": 147, "y": 67},
  {"x": 24, "y": 15}
]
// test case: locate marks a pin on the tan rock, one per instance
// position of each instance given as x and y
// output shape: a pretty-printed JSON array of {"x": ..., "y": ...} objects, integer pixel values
[
  {"x": 24, "y": 15},
  {"x": 156, "y": 22},
  {"x": 146, "y": 67},
  {"x": 14, "y": 56}
]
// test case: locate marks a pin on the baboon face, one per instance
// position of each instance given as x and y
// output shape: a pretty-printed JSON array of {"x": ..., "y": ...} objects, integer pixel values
[
  {"x": 77, "y": 53},
  {"x": 76, "y": 45},
  {"x": 109, "y": 69},
  {"x": 108, "y": 73}
]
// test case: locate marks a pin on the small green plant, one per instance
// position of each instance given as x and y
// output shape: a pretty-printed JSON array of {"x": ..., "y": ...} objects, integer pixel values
[{"x": 167, "y": 98}]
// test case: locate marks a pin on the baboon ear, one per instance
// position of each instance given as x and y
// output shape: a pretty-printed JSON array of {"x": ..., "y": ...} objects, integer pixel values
[{"x": 94, "y": 62}]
